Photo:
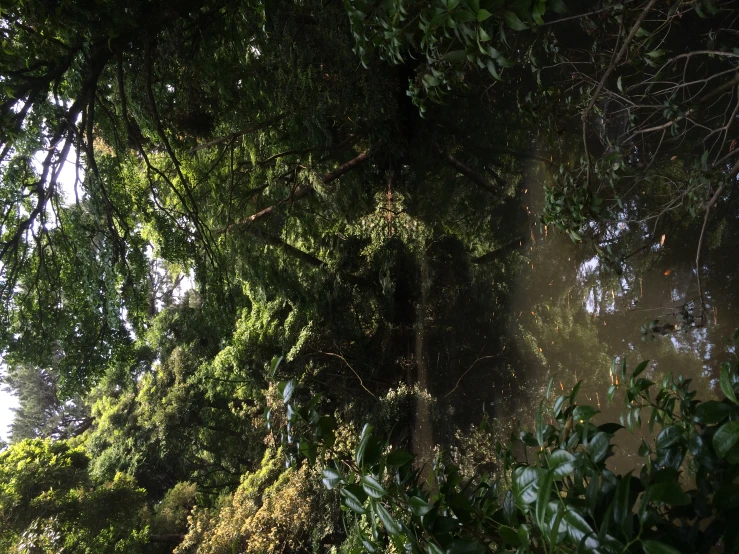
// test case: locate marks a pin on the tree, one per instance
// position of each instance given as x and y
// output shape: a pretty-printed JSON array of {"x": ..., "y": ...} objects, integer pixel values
[
  {"x": 46, "y": 503},
  {"x": 41, "y": 414},
  {"x": 370, "y": 236}
]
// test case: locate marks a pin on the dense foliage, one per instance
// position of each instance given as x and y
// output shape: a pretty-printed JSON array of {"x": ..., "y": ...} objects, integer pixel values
[
  {"x": 189, "y": 189},
  {"x": 552, "y": 490}
]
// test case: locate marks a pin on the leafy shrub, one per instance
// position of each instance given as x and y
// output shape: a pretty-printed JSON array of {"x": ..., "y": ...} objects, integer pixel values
[
  {"x": 554, "y": 492},
  {"x": 272, "y": 511}
]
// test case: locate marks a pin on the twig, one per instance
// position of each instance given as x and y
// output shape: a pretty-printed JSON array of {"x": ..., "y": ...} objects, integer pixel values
[
  {"x": 343, "y": 359},
  {"x": 466, "y": 372},
  {"x": 614, "y": 63},
  {"x": 710, "y": 204}
]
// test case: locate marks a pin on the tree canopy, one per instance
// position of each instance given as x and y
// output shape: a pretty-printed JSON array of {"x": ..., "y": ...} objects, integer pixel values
[{"x": 189, "y": 190}]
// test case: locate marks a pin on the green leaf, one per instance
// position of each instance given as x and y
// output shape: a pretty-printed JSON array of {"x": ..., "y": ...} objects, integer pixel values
[
  {"x": 509, "y": 535},
  {"x": 581, "y": 414},
  {"x": 431, "y": 548},
  {"x": 399, "y": 458},
  {"x": 598, "y": 446},
  {"x": 542, "y": 498},
  {"x": 354, "y": 491},
  {"x": 656, "y": 53},
  {"x": 669, "y": 436},
  {"x": 561, "y": 463},
  {"x": 619, "y": 84},
  {"x": 712, "y": 412},
  {"x": 525, "y": 484},
  {"x": 273, "y": 365},
  {"x": 656, "y": 547},
  {"x": 726, "y": 437},
  {"x": 392, "y": 526},
  {"x": 492, "y": 69},
  {"x": 368, "y": 545},
  {"x": 669, "y": 493},
  {"x": 549, "y": 387},
  {"x": 591, "y": 492},
  {"x": 354, "y": 506},
  {"x": 726, "y": 387},
  {"x": 610, "y": 428},
  {"x": 309, "y": 450},
  {"x": 372, "y": 487},
  {"x": 362, "y": 446},
  {"x": 704, "y": 160},
  {"x": 419, "y": 507},
  {"x": 621, "y": 503},
  {"x": 539, "y": 427},
  {"x": 482, "y": 15},
  {"x": 575, "y": 390},
  {"x": 512, "y": 20},
  {"x": 579, "y": 529},
  {"x": 455, "y": 56},
  {"x": 558, "y": 405},
  {"x": 642, "y": 366},
  {"x": 557, "y": 6},
  {"x": 331, "y": 478},
  {"x": 288, "y": 390}
]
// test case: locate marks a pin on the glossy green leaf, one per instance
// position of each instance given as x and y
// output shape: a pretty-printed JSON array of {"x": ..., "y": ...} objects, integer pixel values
[
  {"x": 610, "y": 428},
  {"x": 539, "y": 427},
  {"x": 621, "y": 501},
  {"x": 399, "y": 458},
  {"x": 581, "y": 414},
  {"x": 712, "y": 412},
  {"x": 557, "y": 408},
  {"x": 525, "y": 484},
  {"x": 557, "y": 6},
  {"x": 391, "y": 525},
  {"x": 579, "y": 529},
  {"x": 354, "y": 506},
  {"x": 509, "y": 535},
  {"x": 726, "y": 437},
  {"x": 575, "y": 390},
  {"x": 641, "y": 367},
  {"x": 368, "y": 545},
  {"x": 331, "y": 478},
  {"x": 432, "y": 548},
  {"x": 273, "y": 365},
  {"x": 657, "y": 547},
  {"x": 455, "y": 56},
  {"x": 726, "y": 386},
  {"x": 287, "y": 391},
  {"x": 669, "y": 436},
  {"x": 561, "y": 463},
  {"x": 598, "y": 446},
  {"x": 372, "y": 487},
  {"x": 362, "y": 446},
  {"x": 669, "y": 493},
  {"x": 542, "y": 498},
  {"x": 513, "y": 21},
  {"x": 418, "y": 506}
]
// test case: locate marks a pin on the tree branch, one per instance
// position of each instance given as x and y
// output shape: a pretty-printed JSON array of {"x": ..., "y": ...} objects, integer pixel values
[
  {"x": 300, "y": 192},
  {"x": 468, "y": 172}
]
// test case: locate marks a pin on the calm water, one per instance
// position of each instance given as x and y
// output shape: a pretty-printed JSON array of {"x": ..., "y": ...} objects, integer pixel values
[{"x": 568, "y": 319}]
